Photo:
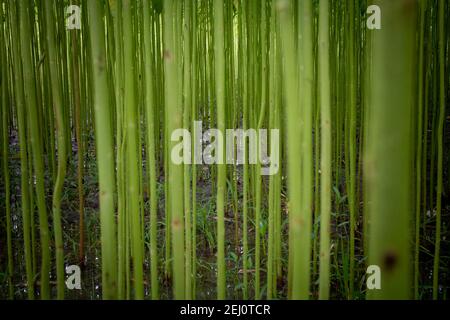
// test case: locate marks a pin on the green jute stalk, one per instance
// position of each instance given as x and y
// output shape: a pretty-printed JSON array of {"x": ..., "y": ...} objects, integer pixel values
[
  {"x": 419, "y": 142},
  {"x": 122, "y": 285},
  {"x": 150, "y": 117},
  {"x": 221, "y": 168},
  {"x": 174, "y": 120},
  {"x": 294, "y": 149},
  {"x": 31, "y": 107},
  {"x": 24, "y": 167},
  {"x": 351, "y": 139},
  {"x": 194, "y": 108},
  {"x": 271, "y": 270},
  {"x": 105, "y": 153},
  {"x": 439, "y": 137},
  {"x": 53, "y": 62},
  {"x": 245, "y": 182},
  {"x": 132, "y": 148},
  {"x": 79, "y": 126},
  {"x": 389, "y": 153},
  {"x": 186, "y": 125},
  {"x": 302, "y": 257},
  {"x": 4, "y": 111},
  {"x": 326, "y": 142}
]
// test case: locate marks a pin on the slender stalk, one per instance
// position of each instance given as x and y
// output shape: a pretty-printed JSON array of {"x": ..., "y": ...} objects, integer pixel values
[
  {"x": 325, "y": 158},
  {"x": 105, "y": 158},
  {"x": 245, "y": 182},
  {"x": 122, "y": 231},
  {"x": 187, "y": 89},
  {"x": 132, "y": 148},
  {"x": 53, "y": 59},
  {"x": 294, "y": 149},
  {"x": 194, "y": 96},
  {"x": 79, "y": 126},
  {"x": 5, "y": 116},
  {"x": 174, "y": 121},
  {"x": 301, "y": 279},
  {"x": 351, "y": 142},
  {"x": 24, "y": 167},
  {"x": 221, "y": 168},
  {"x": 389, "y": 152},
  {"x": 420, "y": 142},
  {"x": 36, "y": 143},
  {"x": 439, "y": 135},
  {"x": 271, "y": 264},
  {"x": 150, "y": 117}
]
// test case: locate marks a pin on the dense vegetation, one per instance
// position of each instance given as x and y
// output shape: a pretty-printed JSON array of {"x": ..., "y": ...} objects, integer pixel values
[{"x": 87, "y": 176}]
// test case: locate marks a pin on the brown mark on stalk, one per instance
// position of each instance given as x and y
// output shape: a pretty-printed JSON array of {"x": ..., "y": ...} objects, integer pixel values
[
  {"x": 409, "y": 6},
  {"x": 167, "y": 55},
  {"x": 298, "y": 221},
  {"x": 176, "y": 223},
  {"x": 390, "y": 260},
  {"x": 101, "y": 63}
]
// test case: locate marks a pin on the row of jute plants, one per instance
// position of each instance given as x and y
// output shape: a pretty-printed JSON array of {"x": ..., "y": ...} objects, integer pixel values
[{"x": 361, "y": 114}]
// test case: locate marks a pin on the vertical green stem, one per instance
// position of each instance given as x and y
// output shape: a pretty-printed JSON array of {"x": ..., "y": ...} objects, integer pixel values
[
  {"x": 174, "y": 121},
  {"x": 439, "y": 137},
  {"x": 389, "y": 153},
  {"x": 151, "y": 151},
  {"x": 53, "y": 60},
  {"x": 36, "y": 142},
  {"x": 219, "y": 60},
  {"x": 133, "y": 147},
  {"x": 325, "y": 158},
  {"x": 104, "y": 145}
]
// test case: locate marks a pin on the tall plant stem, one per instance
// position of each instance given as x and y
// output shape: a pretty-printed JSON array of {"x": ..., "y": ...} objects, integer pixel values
[
  {"x": 4, "y": 112},
  {"x": 36, "y": 143},
  {"x": 351, "y": 143},
  {"x": 24, "y": 159},
  {"x": 187, "y": 90},
  {"x": 105, "y": 158},
  {"x": 194, "y": 96},
  {"x": 439, "y": 137},
  {"x": 53, "y": 60},
  {"x": 294, "y": 149},
  {"x": 151, "y": 150},
  {"x": 419, "y": 144},
  {"x": 302, "y": 257},
  {"x": 325, "y": 164},
  {"x": 174, "y": 118},
  {"x": 79, "y": 125},
  {"x": 133, "y": 148},
  {"x": 389, "y": 152},
  {"x": 221, "y": 168}
]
